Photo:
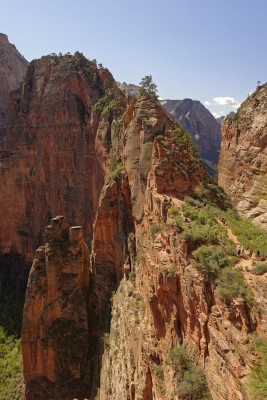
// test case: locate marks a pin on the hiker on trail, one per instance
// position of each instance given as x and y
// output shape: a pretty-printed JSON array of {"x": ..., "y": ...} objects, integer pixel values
[
  {"x": 242, "y": 249},
  {"x": 258, "y": 253},
  {"x": 250, "y": 252},
  {"x": 223, "y": 221},
  {"x": 164, "y": 209},
  {"x": 239, "y": 251}
]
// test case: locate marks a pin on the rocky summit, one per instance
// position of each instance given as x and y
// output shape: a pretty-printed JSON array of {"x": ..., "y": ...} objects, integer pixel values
[
  {"x": 12, "y": 69},
  {"x": 135, "y": 289}
]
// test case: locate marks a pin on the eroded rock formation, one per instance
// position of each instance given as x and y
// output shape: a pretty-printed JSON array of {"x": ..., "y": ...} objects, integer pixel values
[
  {"x": 55, "y": 337},
  {"x": 12, "y": 69},
  {"x": 242, "y": 166}
]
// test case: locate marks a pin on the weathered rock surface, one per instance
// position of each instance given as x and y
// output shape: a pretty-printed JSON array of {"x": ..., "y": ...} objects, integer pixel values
[
  {"x": 12, "y": 69},
  {"x": 204, "y": 129},
  {"x": 243, "y": 161},
  {"x": 55, "y": 337}
]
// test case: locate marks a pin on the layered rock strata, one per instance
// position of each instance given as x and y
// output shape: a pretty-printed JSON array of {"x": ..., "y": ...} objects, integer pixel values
[{"x": 242, "y": 166}]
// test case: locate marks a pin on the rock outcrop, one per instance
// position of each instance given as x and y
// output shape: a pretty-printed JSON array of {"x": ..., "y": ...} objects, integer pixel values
[
  {"x": 243, "y": 163},
  {"x": 55, "y": 335},
  {"x": 204, "y": 129},
  {"x": 12, "y": 69}
]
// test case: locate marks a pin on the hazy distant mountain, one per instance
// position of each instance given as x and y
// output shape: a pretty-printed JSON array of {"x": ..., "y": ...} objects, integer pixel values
[
  {"x": 201, "y": 124},
  {"x": 12, "y": 69},
  {"x": 222, "y": 118}
]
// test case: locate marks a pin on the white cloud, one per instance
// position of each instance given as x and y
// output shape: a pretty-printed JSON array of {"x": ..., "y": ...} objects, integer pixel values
[
  {"x": 226, "y": 101},
  {"x": 216, "y": 115},
  {"x": 207, "y": 103}
]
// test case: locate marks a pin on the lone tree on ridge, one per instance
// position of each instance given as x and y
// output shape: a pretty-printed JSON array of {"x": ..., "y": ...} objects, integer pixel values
[{"x": 148, "y": 87}]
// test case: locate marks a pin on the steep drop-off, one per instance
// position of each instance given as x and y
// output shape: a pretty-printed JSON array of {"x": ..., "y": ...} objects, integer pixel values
[
  {"x": 242, "y": 166},
  {"x": 12, "y": 69}
]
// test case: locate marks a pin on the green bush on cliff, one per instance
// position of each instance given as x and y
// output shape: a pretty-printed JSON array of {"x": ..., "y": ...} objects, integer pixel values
[
  {"x": 11, "y": 378},
  {"x": 231, "y": 284},
  {"x": 191, "y": 381},
  {"x": 210, "y": 260}
]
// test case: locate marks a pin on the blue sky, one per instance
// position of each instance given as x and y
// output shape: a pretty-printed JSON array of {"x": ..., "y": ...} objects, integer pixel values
[{"x": 200, "y": 49}]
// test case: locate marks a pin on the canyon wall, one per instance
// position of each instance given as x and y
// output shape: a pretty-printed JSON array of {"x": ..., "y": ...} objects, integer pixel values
[{"x": 242, "y": 165}]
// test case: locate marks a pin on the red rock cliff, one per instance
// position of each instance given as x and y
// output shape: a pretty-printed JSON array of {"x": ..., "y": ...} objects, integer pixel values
[{"x": 55, "y": 149}]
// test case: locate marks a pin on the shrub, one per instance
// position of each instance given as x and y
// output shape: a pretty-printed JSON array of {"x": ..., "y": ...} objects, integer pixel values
[
  {"x": 231, "y": 284},
  {"x": 191, "y": 381},
  {"x": 259, "y": 269},
  {"x": 178, "y": 358},
  {"x": 192, "y": 385},
  {"x": 210, "y": 260}
]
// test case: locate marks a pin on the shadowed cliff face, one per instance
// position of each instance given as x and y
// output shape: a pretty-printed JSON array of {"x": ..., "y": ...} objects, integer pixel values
[
  {"x": 242, "y": 166},
  {"x": 12, "y": 69}
]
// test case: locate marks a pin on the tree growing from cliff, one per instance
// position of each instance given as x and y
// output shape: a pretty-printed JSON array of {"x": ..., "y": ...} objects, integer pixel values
[{"x": 148, "y": 87}]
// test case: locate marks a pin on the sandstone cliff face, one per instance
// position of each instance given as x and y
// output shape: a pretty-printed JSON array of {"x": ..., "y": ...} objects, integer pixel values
[
  {"x": 242, "y": 166},
  {"x": 55, "y": 335},
  {"x": 204, "y": 129},
  {"x": 54, "y": 153},
  {"x": 12, "y": 69}
]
